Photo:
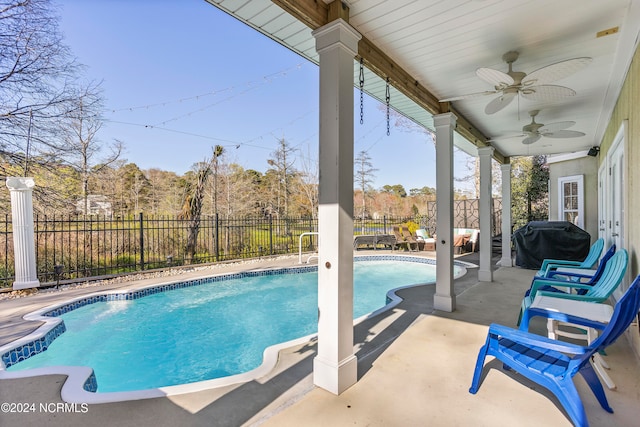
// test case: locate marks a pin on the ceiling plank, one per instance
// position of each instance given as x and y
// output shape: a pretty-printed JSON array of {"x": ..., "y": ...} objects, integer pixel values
[{"x": 315, "y": 14}]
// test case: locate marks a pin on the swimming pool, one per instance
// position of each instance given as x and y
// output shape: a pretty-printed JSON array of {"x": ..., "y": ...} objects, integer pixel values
[{"x": 202, "y": 330}]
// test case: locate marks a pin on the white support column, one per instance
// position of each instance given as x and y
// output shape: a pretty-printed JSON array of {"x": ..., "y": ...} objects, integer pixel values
[
  {"x": 506, "y": 260},
  {"x": 23, "y": 238},
  {"x": 335, "y": 366},
  {"x": 485, "y": 272},
  {"x": 445, "y": 298}
]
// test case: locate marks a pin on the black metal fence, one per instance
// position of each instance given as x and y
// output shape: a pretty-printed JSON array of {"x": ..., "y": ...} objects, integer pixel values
[{"x": 74, "y": 247}]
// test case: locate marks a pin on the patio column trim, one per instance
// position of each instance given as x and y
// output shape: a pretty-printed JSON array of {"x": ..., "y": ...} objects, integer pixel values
[
  {"x": 24, "y": 248},
  {"x": 335, "y": 366},
  {"x": 445, "y": 298},
  {"x": 506, "y": 260},
  {"x": 485, "y": 272}
]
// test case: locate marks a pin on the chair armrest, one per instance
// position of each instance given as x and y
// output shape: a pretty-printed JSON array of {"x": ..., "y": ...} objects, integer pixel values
[
  {"x": 554, "y": 274},
  {"x": 559, "y": 262},
  {"x": 549, "y": 264},
  {"x": 539, "y": 283},
  {"x": 527, "y": 338},
  {"x": 572, "y": 296},
  {"x": 586, "y": 279},
  {"x": 556, "y": 315}
]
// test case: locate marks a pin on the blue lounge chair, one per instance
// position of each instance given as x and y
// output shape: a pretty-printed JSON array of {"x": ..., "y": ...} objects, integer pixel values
[
  {"x": 598, "y": 292},
  {"x": 592, "y": 257},
  {"x": 553, "y": 364}
]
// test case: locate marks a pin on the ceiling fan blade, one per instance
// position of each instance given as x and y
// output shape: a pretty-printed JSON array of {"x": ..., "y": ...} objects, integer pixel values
[
  {"x": 553, "y": 127},
  {"x": 495, "y": 77},
  {"x": 556, "y": 71},
  {"x": 531, "y": 139},
  {"x": 546, "y": 93},
  {"x": 564, "y": 134},
  {"x": 499, "y": 103},
  {"x": 470, "y": 95},
  {"x": 516, "y": 134}
]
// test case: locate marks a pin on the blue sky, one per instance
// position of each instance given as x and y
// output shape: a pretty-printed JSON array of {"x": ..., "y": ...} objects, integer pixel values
[{"x": 181, "y": 76}]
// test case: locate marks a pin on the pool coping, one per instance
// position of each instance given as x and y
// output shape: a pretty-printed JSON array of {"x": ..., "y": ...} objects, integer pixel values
[{"x": 80, "y": 386}]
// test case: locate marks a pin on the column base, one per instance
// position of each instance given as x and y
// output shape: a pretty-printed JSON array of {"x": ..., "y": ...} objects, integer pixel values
[
  {"x": 335, "y": 379},
  {"x": 26, "y": 285},
  {"x": 485, "y": 276},
  {"x": 444, "y": 302},
  {"x": 506, "y": 262}
]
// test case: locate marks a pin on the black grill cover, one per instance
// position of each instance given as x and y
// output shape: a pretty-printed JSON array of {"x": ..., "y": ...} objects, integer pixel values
[{"x": 540, "y": 240}]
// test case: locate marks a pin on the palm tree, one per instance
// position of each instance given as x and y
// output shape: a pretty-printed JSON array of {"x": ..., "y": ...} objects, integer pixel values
[{"x": 218, "y": 150}]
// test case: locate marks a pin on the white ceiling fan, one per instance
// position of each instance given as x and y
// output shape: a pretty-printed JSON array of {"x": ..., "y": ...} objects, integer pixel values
[
  {"x": 533, "y": 86},
  {"x": 534, "y": 131}
]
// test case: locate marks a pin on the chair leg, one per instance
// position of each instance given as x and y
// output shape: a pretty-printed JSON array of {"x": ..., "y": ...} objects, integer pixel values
[
  {"x": 522, "y": 309},
  {"x": 477, "y": 373},
  {"x": 598, "y": 365},
  {"x": 592, "y": 380},
  {"x": 567, "y": 393},
  {"x": 604, "y": 364}
]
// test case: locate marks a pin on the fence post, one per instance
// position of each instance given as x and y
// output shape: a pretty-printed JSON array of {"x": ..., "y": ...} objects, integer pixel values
[
  {"x": 270, "y": 234},
  {"x": 384, "y": 222},
  {"x": 216, "y": 241},
  {"x": 141, "y": 242}
]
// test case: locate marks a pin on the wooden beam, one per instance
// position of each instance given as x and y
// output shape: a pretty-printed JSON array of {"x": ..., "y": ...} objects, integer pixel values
[
  {"x": 316, "y": 13},
  {"x": 338, "y": 10},
  {"x": 313, "y": 13},
  {"x": 382, "y": 65}
]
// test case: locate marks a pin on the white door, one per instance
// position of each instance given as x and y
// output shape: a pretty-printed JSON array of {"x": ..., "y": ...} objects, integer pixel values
[
  {"x": 617, "y": 196},
  {"x": 611, "y": 182},
  {"x": 603, "y": 213}
]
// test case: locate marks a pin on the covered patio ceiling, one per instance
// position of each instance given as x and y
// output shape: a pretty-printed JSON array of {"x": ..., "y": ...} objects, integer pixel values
[{"x": 430, "y": 51}]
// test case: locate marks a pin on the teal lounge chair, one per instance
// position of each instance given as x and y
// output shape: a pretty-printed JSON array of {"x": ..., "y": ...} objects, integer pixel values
[
  {"x": 553, "y": 364},
  {"x": 598, "y": 292},
  {"x": 588, "y": 263},
  {"x": 590, "y": 278},
  {"x": 582, "y": 274}
]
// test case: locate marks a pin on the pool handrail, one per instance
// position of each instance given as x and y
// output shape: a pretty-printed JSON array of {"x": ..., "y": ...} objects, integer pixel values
[{"x": 314, "y": 255}]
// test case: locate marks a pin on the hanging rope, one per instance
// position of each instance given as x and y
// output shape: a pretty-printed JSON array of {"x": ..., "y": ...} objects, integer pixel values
[
  {"x": 361, "y": 90},
  {"x": 388, "y": 101}
]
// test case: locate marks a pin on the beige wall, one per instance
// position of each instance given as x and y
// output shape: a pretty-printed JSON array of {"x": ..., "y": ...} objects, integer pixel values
[
  {"x": 588, "y": 167},
  {"x": 628, "y": 108}
]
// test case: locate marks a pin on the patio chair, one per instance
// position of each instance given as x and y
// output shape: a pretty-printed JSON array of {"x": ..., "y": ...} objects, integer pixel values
[
  {"x": 589, "y": 277},
  {"x": 553, "y": 364},
  {"x": 410, "y": 238},
  {"x": 590, "y": 260},
  {"x": 600, "y": 291},
  {"x": 400, "y": 240}
]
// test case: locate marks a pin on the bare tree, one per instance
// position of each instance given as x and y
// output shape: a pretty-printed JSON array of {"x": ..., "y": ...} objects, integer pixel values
[
  {"x": 308, "y": 186},
  {"x": 83, "y": 150},
  {"x": 36, "y": 81},
  {"x": 282, "y": 162},
  {"x": 364, "y": 175}
]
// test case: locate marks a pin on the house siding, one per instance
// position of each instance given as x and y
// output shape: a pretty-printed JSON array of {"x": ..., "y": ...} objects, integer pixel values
[
  {"x": 627, "y": 109},
  {"x": 588, "y": 167}
]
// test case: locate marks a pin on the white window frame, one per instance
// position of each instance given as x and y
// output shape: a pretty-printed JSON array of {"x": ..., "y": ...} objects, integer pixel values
[{"x": 579, "y": 179}]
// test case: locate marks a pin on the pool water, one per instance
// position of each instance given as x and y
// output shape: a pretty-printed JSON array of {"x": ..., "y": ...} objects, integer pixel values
[{"x": 209, "y": 331}]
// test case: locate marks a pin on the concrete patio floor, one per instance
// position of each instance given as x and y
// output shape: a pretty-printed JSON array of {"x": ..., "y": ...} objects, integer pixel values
[{"x": 414, "y": 366}]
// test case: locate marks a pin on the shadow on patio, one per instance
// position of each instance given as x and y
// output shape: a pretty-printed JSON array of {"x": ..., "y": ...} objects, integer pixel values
[{"x": 415, "y": 367}]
